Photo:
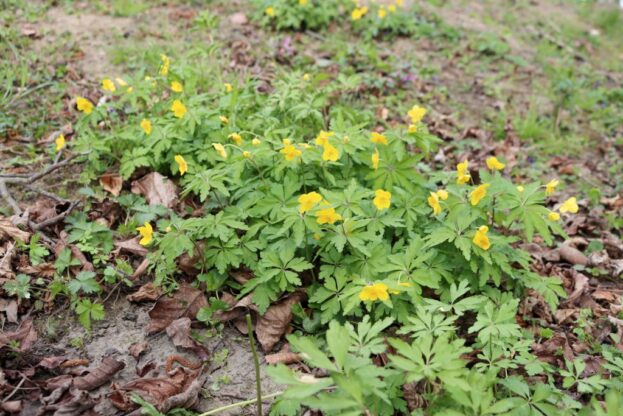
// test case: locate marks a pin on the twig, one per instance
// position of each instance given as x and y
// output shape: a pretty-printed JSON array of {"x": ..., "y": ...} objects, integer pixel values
[
  {"x": 57, "y": 218},
  {"x": 256, "y": 363},
  {"x": 240, "y": 404},
  {"x": 47, "y": 194},
  {"x": 4, "y": 192},
  {"x": 15, "y": 390}
]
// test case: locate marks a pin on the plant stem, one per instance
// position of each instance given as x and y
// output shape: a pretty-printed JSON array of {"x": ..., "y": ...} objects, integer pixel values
[
  {"x": 239, "y": 404},
  {"x": 256, "y": 363}
]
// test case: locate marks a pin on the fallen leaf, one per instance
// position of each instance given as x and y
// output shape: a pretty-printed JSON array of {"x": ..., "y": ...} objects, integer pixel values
[
  {"x": 179, "y": 332},
  {"x": 580, "y": 284},
  {"x": 52, "y": 362},
  {"x": 147, "y": 292},
  {"x": 185, "y": 302},
  {"x": 157, "y": 189},
  {"x": 154, "y": 390},
  {"x": 12, "y": 406},
  {"x": 284, "y": 356},
  {"x": 7, "y": 229},
  {"x": 572, "y": 255},
  {"x": 40, "y": 270},
  {"x": 138, "y": 348},
  {"x": 132, "y": 246},
  {"x": 100, "y": 375},
  {"x": 75, "y": 405},
  {"x": 9, "y": 307},
  {"x": 25, "y": 336},
  {"x": 111, "y": 182},
  {"x": 238, "y": 19},
  {"x": 271, "y": 326},
  {"x": 42, "y": 210}
]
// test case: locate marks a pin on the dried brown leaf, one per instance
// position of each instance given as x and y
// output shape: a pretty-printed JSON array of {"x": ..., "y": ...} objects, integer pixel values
[
  {"x": 25, "y": 336},
  {"x": 572, "y": 255},
  {"x": 112, "y": 183},
  {"x": 7, "y": 229},
  {"x": 157, "y": 189},
  {"x": 100, "y": 375},
  {"x": 179, "y": 332},
  {"x": 137, "y": 349},
  {"x": 147, "y": 292},
  {"x": 271, "y": 326},
  {"x": 186, "y": 302},
  {"x": 9, "y": 307}
]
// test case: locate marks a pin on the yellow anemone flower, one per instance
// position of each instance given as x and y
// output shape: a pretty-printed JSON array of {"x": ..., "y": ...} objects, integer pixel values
[
  {"x": 327, "y": 216},
  {"x": 290, "y": 152},
  {"x": 236, "y": 138},
  {"x": 178, "y": 109},
  {"x": 108, "y": 85},
  {"x": 375, "y": 159},
  {"x": 181, "y": 163},
  {"x": 323, "y": 137},
  {"x": 550, "y": 187},
  {"x": 553, "y": 216},
  {"x": 176, "y": 86},
  {"x": 60, "y": 142},
  {"x": 382, "y": 199},
  {"x": 462, "y": 172},
  {"x": 146, "y": 126},
  {"x": 477, "y": 194},
  {"x": 84, "y": 105},
  {"x": 330, "y": 153},
  {"x": 416, "y": 114},
  {"x": 308, "y": 200},
  {"x": 146, "y": 232},
  {"x": 481, "y": 239},
  {"x": 220, "y": 149},
  {"x": 570, "y": 205},
  {"x": 374, "y": 292},
  {"x": 494, "y": 164},
  {"x": 378, "y": 138},
  {"x": 433, "y": 201}
]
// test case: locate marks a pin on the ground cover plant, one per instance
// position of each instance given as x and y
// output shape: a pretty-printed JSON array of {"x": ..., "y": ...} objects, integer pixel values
[{"x": 321, "y": 192}]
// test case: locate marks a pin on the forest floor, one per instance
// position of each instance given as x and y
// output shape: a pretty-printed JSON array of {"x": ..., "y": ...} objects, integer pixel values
[{"x": 538, "y": 83}]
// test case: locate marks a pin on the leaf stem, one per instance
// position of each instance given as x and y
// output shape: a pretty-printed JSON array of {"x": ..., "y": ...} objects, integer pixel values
[{"x": 239, "y": 404}]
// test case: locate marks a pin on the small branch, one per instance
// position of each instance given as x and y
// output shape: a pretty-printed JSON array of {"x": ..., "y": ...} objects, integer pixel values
[
  {"x": 57, "y": 218},
  {"x": 256, "y": 363},
  {"x": 47, "y": 194},
  {"x": 4, "y": 192},
  {"x": 15, "y": 390}
]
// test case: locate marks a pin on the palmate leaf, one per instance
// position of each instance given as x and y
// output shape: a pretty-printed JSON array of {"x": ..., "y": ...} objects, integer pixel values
[
  {"x": 397, "y": 172},
  {"x": 204, "y": 182},
  {"x": 355, "y": 233}
]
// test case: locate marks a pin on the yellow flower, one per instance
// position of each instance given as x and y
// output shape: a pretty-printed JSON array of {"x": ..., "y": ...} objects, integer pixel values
[
  {"x": 520, "y": 188},
  {"x": 416, "y": 113},
  {"x": 376, "y": 291},
  {"x": 84, "y": 105},
  {"x": 290, "y": 152},
  {"x": 553, "y": 216},
  {"x": 220, "y": 149},
  {"x": 462, "y": 172},
  {"x": 176, "y": 86},
  {"x": 108, "y": 85},
  {"x": 442, "y": 194},
  {"x": 146, "y": 232},
  {"x": 391, "y": 8},
  {"x": 270, "y": 11},
  {"x": 375, "y": 159},
  {"x": 481, "y": 239},
  {"x": 129, "y": 90},
  {"x": 330, "y": 153},
  {"x": 228, "y": 87},
  {"x": 570, "y": 205},
  {"x": 317, "y": 236},
  {"x": 358, "y": 13},
  {"x": 121, "y": 82},
  {"x": 236, "y": 138},
  {"x": 256, "y": 142},
  {"x": 146, "y": 126},
  {"x": 433, "y": 201},
  {"x": 550, "y": 188},
  {"x": 178, "y": 109},
  {"x": 323, "y": 137},
  {"x": 378, "y": 138},
  {"x": 399, "y": 2},
  {"x": 412, "y": 128},
  {"x": 303, "y": 2},
  {"x": 168, "y": 229},
  {"x": 181, "y": 163},
  {"x": 246, "y": 154},
  {"x": 223, "y": 119},
  {"x": 307, "y": 201},
  {"x": 382, "y": 199},
  {"x": 327, "y": 216},
  {"x": 60, "y": 142},
  {"x": 166, "y": 62},
  {"x": 346, "y": 140},
  {"x": 286, "y": 141},
  {"x": 305, "y": 77},
  {"x": 382, "y": 12},
  {"x": 477, "y": 194},
  {"x": 494, "y": 164}
]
